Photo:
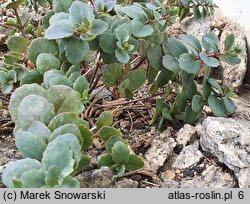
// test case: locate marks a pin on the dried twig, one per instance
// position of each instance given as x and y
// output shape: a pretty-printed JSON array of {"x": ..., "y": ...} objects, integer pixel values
[{"x": 129, "y": 102}]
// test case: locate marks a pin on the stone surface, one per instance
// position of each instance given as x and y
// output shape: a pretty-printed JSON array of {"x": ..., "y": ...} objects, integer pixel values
[
  {"x": 228, "y": 140},
  {"x": 126, "y": 183},
  {"x": 99, "y": 178},
  {"x": 244, "y": 178},
  {"x": 195, "y": 27},
  {"x": 189, "y": 156},
  {"x": 234, "y": 75},
  {"x": 212, "y": 177},
  {"x": 162, "y": 147},
  {"x": 185, "y": 134}
]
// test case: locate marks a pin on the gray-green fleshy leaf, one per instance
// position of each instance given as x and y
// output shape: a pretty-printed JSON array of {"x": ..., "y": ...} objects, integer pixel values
[
  {"x": 229, "y": 104},
  {"x": 33, "y": 178},
  {"x": 69, "y": 182},
  {"x": 230, "y": 59},
  {"x": 105, "y": 160},
  {"x": 19, "y": 94},
  {"x": 34, "y": 108},
  {"x": 17, "y": 169},
  {"x": 17, "y": 44},
  {"x": 120, "y": 153},
  {"x": 53, "y": 157},
  {"x": 192, "y": 42},
  {"x": 175, "y": 47},
  {"x": 46, "y": 62},
  {"x": 136, "y": 78},
  {"x": 188, "y": 64},
  {"x": 41, "y": 45},
  {"x": 217, "y": 106},
  {"x": 106, "y": 132},
  {"x": 87, "y": 136},
  {"x": 66, "y": 118},
  {"x": 49, "y": 75},
  {"x": 61, "y": 5},
  {"x": 108, "y": 46},
  {"x": 112, "y": 73},
  {"x": 122, "y": 56},
  {"x": 30, "y": 145},
  {"x": 154, "y": 55},
  {"x": 58, "y": 17},
  {"x": 53, "y": 176},
  {"x": 171, "y": 63},
  {"x": 98, "y": 27},
  {"x": 76, "y": 50},
  {"x": 215, "y": 85},
  {"x": 65, "y": 129},
  {"x": 65, "y": 99},
  {"x": 197, "y": 103},
  {"x": 105, "y": 119},
  {"x": 31, "y": 77},
  {"x": 40, "y": 129},
  {"x": 78, "y": 10},
  {"x": 134, "y": 163},
  {"x": 111, "y": 142},
  {"x": 60, "y": 29},
  {"x": 210, "y": 61},
  {"x": 81, "y": 84},
  {"x": 139, "y": 29},
  {"x": 229, "y": 42},
  {"x": 72, "y": 142}
]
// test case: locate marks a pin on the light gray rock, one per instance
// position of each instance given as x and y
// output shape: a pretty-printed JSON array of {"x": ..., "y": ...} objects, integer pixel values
[
  {"x": 244, "y": 178},
  {"x": 198, "y": 28},
  {"x": 233, "y": 75},
  {"x": 225, "y": 139},
  {"x": 126, "y": 183},
  {"x": 228, "y": 140},
  {"x": 189, "y": 156},
  {"x": 98, "y": 178},
  {"x": 161, "y": 148},
  {"x": 212, "y": 177},
  {"x": 185, "y": 134}
]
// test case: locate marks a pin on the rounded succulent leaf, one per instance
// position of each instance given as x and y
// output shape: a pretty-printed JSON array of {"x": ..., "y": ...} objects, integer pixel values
[
  {"x": 65, "y": 99},
  {"x": 40, "y": 129},
  {"x": 66, "y": 118},
  {"x": 87, "y": 136},
  {"x": 49, "y": 75},
  {"x": 111, "y": 142},
  {"x": 69, "y": 182},
  {"x": 72, "y": 142},
  {"x": 120, "y": 153},
  {"x": 105, "y": 160},
  {"x": 19, "y": 94},
  {"x": 106, "y": 132},
  {"x": 45, "y": 62},
  {"x": 17, "y": 44},
  {"x": 83, "y": 163},
  {"x": 64, "y": 129},
  {"x": 112, "y": 73},
  {"x": 30, "y": 145},
  {"x": 60, "y": 156},
  {"x": 53, "y": 176},
  {"x": 105, "y": 119},
  {"x": 33, "y": 179},
  {"x": 134, "y": 163},
  {"x": 17, "y": 169},
  {"x": 34, "y": 108},
  {"x": 41, "y": 45},
  {"x": 118, "y": 169}
]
